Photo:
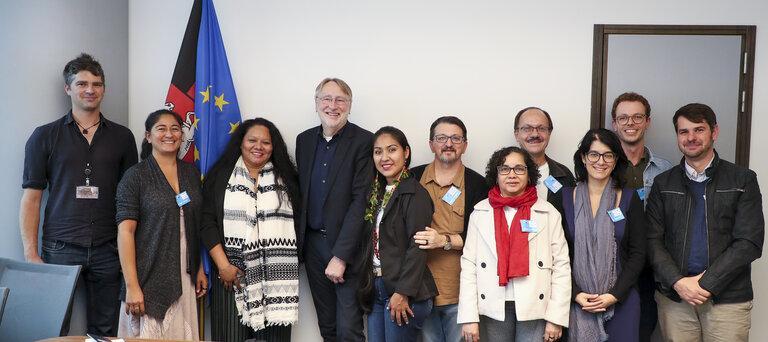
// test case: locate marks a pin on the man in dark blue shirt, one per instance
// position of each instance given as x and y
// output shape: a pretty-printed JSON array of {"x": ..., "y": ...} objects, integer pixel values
[
  {"x": 80, "y": 158},
  {"x": 705, "y": 228},
  {"x": 335, "y": 174}
]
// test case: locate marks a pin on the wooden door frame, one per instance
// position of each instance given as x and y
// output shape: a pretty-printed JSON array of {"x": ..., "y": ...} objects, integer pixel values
[{"x": 746, "y": 76}]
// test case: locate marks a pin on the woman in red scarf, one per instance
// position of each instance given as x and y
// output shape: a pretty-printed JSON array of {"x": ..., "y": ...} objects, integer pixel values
[{"x": 515, "y": 272}]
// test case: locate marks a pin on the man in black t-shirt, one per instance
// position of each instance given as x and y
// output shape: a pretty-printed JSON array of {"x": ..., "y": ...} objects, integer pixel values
[{"x": 79, "y": 158}]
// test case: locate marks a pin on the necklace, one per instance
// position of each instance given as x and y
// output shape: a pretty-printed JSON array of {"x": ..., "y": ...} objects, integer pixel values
[
  {"x": 85, "y": 130},
  {"x": 374, "y": 199}
]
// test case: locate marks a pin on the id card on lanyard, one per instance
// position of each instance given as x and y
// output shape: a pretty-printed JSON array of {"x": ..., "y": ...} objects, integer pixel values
[{"x": 87, "y": 191}]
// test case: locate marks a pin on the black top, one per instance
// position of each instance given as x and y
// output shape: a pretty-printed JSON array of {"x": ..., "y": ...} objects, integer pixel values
[
  {"x": 318, "y": 187},
  {"x": 562, "y": 175},
  {"x": 212, "y": 213},
  {"x": 631, "y": 250},
  {"x": 348, "y": 185},
  {"x": 403, "y": 263},
  {"x": 735, "y": 230},
  {"x": 56, "y": 156}
]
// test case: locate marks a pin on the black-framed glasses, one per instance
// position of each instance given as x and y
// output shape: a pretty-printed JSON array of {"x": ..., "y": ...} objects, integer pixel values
[
  {"x": 530, "y": 129},
  {"x": 339, "y": 101},
  {"x": 636, "y": 118},
  {"x": 505, "y": 170},
  {"x": 442, "y": 139},
  {"x": 608, "y": 157}
]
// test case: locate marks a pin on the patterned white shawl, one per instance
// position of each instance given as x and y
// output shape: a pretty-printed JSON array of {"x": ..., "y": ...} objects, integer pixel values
[{"x": 260, "y": 239}]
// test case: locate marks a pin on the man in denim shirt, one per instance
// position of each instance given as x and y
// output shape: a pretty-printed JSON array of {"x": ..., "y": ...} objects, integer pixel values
[{"x": 631, "y": 115}]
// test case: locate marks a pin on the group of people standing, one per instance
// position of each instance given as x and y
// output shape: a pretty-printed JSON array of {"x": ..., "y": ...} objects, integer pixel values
[{"x": 438, "y": 252}]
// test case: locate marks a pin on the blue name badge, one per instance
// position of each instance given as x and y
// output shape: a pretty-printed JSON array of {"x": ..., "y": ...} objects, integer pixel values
[
  {"x": 182, "y": 199},
  {"x": 641, "y": 193},
  {"x": 452, "y": 194},
  {"x": 529, "y": 226},
  {"x": 616, "y": 215},
  {"x": 552, "y": 184}
]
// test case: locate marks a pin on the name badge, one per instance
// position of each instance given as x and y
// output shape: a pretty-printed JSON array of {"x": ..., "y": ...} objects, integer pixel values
[
  {"x": 182, "y": 199},
  {"x": 529, "y": 226},
  {"x": 552, "y": 184},
  {"x": 641, "y": 193},
  {"x": 87, "y": 192},
  {"x": 452, "y": 194},
  {"x": 616, "y": 215}
]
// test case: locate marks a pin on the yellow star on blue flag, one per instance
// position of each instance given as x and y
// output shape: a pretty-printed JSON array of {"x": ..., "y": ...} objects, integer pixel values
[
  {"x": 214, "y": 118},
  {"x": 220, "y": 102}
]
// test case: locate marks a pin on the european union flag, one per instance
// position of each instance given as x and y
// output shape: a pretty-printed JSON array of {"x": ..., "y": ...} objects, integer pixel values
[{"x": 217, "y": 113}]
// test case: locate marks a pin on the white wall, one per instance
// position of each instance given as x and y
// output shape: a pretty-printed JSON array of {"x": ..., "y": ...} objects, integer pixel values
[
  {"x": 407, "y": 62},
  {"x": 411, "y": 61},
  {"x": 38, "y": 37}
]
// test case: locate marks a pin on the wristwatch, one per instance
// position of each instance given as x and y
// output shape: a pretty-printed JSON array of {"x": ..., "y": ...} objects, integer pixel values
[{"x": 447, "y": 246}]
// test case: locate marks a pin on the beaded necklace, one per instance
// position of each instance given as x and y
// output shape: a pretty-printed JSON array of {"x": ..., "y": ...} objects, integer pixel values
[{"x": 374, "y": 208}]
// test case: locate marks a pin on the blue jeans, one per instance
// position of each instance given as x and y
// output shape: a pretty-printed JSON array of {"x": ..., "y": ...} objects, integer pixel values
[
  {"x": 381, "y": 327},
  {"x": 441, "y": 325},
  {"x": 101, "y": 274}
]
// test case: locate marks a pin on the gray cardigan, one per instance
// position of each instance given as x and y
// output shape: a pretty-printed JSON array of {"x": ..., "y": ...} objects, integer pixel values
[{"x": 144, "y": 195}]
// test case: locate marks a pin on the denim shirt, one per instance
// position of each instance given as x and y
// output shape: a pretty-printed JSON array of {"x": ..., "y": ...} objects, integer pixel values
[{"x": 656, "y": 165}]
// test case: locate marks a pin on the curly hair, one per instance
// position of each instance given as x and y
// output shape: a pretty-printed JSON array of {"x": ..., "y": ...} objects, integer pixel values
[{"x": 497, "y": 159}]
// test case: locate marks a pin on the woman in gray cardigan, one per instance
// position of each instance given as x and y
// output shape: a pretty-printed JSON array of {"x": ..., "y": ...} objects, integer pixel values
[{"x": 158, "y": 201}]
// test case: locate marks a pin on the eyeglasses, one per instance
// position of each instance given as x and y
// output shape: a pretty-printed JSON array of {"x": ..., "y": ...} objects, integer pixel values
[
  {"x": 637, "y": 118},
  {"x": 530, "y": 129},
  {"x": 340, "y": 101},
  {"x": 442, "y": 139},
  {"x": 505, "y": 170},
  {"x": 608, "y": 157}
]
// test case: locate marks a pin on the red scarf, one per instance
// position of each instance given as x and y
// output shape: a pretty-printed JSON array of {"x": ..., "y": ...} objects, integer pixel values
[{"x": 512, "y": 243}]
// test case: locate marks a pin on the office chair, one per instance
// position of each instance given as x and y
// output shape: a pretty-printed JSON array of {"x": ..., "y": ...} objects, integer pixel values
[{"x": 41, "y": 295}]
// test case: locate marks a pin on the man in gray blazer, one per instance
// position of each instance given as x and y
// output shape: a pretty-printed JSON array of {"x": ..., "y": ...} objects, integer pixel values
[{"x": 335, "y": 174}]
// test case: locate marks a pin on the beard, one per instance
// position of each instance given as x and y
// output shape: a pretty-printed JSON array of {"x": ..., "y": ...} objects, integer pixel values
[{"x": 444, "y": 158}]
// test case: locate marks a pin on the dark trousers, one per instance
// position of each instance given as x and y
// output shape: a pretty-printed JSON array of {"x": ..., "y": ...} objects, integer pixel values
[
  {"x": 338, "y": 311},
  {"x": 226, "y": 324},
  {"x": 101, "y": 274},
  {"x": 648, "y": 313}
]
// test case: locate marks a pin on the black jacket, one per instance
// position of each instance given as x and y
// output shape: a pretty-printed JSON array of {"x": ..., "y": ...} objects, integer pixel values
[
  {"x": 349, "y": 180},
  {"x": 403, "y": 263},
  {"x": 474, "y": 185},
  {"x": 212, "y": 212},
  {"x": 631, "y": 249},
  {"x": 562, "y": 174},
  {"x": 735, "y": 229}
]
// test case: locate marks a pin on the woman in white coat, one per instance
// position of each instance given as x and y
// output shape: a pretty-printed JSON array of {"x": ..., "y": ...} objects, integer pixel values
[{"x": 515, "y": 272}]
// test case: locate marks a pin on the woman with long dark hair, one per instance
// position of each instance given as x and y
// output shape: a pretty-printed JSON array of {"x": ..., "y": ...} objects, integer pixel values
[
  {"x": 605, "y": 227},
  {"x": 250, "y": 195},
  {"x": 158, "y": 201},
  {"x": 397, "y": 287}
]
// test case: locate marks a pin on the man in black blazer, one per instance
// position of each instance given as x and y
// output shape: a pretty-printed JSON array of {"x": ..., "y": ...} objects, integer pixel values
[{"x": 335, "y": 174}]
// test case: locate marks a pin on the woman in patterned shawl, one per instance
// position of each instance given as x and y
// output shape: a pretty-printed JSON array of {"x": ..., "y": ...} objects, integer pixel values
[{"x": 250, "y": 195}]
